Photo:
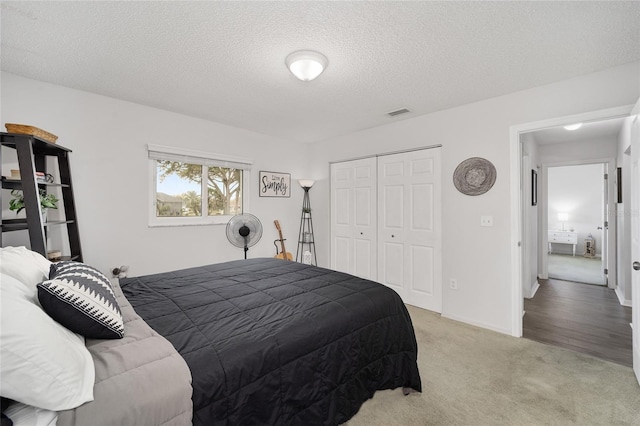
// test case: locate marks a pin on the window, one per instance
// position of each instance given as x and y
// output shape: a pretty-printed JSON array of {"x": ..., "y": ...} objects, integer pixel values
[{"x": 195, "y": 188}]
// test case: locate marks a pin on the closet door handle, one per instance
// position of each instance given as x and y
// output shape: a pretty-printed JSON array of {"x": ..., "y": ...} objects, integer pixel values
[{"x": 636, "y": 265}]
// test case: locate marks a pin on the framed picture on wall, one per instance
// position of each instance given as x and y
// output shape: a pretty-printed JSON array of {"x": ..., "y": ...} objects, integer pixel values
[
  {"x": 274, "y": 184},
  {"x": 534, "y": 188},
  {"x": 619, "y": 184}
]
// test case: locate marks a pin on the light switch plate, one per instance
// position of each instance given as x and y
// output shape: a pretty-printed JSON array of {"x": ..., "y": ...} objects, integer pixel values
[{"x": 486, "y": 220}]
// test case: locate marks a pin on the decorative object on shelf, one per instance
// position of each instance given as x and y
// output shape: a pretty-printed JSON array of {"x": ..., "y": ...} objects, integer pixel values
[
  {"x": 306, "y": 252},
  {"x": 24, "y": 129},
  {"x": 244, "y": 230},
  {"x": 54, "y": 255},
  {"x": 274, "y": 184},
  {"x": 474, "y": 176},
  {"x": 43, "y": 177},
  {"x": 534, "y": 188},
  {"x": 47, "y": 201},
  {"x": 15, "y": 174}
]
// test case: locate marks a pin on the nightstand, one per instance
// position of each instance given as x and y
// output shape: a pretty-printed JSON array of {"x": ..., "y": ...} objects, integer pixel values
[{"x": 563, "y": 237}]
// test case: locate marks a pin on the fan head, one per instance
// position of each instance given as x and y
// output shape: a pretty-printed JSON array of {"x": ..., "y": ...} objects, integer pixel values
[{"x": 244, "y": 230}]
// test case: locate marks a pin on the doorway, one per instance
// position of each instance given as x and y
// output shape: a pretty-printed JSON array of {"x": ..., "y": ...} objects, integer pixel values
[
  {"x": 535, "y": 222},
  {"x": 577, "y": 237}
]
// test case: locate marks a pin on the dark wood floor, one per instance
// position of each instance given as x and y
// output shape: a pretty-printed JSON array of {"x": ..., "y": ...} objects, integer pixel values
[{"x": 582, "y": 317}]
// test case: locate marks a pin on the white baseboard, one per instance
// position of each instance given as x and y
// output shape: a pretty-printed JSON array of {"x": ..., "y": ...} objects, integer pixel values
[
  {"x": 477, "y": 324},
  {"x": 534, "y": 289},
  {"x": 621, "y": 299}
]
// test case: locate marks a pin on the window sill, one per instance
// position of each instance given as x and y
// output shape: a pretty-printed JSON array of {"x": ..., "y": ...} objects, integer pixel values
[{"x": 172, "y": 222}]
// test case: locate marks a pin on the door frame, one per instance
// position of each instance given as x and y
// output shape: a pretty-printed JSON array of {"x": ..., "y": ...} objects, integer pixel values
[
  {"x": 635, "y": 278},
  {"x": 516, "y": 234},
  {"x": 610, "y": 251}
]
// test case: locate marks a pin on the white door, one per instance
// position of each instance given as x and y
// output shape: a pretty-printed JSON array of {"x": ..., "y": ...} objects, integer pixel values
[
  {"x": 409, "y": 226},
  {"x": 353, "y": 217},
  {"x": 635, "y": 236}
]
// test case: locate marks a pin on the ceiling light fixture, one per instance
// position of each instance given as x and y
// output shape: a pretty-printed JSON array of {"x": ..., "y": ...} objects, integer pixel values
[
  {"x": 573, "y": 126},
  {"x": 306, "y": 64}
]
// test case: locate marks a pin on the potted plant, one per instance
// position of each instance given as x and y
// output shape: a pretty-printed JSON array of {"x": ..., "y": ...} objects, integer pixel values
[{"x": 47, "y": 201}]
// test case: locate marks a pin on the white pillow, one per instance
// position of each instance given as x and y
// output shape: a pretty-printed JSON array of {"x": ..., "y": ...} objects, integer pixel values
[
  {"x": 26, "y": 415},
  {"x": 43, "y": 363},
  {"x": 28, "y": 267}
]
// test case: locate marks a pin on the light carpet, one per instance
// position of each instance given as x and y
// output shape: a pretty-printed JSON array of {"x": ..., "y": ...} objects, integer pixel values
[
  {"x": 576, "y": 268},
  {"x": 473, "y": 376}
]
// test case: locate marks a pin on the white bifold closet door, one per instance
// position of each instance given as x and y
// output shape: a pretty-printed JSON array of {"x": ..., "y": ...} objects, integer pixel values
[
  {"x": 353, "y": 217},
  {"x": 409, "y": 226},
  {"x": 386, "y": 223}
]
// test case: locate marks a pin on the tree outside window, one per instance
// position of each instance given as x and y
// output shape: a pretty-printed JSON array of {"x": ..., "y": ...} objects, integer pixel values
[{"x": 182, "y": 181}]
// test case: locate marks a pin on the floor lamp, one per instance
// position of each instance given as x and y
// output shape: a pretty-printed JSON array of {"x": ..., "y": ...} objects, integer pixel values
[{"x": 306, "y": 252}]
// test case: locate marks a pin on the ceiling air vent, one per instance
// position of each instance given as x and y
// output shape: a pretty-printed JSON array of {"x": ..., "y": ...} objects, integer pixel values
[{"x": 398, "y": 112}]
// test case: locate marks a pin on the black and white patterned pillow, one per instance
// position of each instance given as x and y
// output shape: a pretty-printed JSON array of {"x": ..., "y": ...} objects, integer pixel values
[{"x": 81, "y": 298}]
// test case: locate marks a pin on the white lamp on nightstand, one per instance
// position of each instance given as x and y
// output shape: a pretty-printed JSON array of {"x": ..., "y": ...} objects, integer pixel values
[{"x": 563, "y": 217}]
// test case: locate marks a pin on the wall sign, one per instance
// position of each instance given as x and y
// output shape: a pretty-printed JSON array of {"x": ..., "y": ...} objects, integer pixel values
[{"x": 273, "y": 184}]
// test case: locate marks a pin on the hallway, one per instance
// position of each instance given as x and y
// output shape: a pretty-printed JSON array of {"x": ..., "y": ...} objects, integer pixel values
[
  {"x": 583, "y": 318},
  {"x": 578, "y": 269}
]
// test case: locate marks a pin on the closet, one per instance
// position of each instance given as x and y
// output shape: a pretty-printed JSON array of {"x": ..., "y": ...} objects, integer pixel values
[
  {"x": 386, "y": 223},
  {"x": 354, "y": 217}
]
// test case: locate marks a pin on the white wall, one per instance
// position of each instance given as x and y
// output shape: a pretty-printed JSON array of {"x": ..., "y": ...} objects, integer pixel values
[
  {"x": 110, "y": 174},
  {"x": 579, "y": 192},
  {"x": 478, "y": 257},
  {"x": 580, "y": 151},
  {"x": 623, "y": 215}
]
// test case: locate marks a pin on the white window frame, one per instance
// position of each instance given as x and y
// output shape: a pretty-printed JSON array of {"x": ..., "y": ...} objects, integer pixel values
[{"x": 160, "y": 152}]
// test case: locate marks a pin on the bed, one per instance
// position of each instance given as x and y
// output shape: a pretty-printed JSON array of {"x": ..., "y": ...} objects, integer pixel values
[
  {"x": 276, "y": 342},
  {"x": 139, "y": 379},
  {"x": 260, "y": 341}
]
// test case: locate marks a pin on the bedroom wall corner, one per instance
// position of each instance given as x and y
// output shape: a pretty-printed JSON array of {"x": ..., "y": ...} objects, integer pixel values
[{"x": 110, "y": 173}]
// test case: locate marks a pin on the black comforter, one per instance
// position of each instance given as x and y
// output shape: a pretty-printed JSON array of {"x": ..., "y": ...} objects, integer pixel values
[{"x": 276, "y": 342}]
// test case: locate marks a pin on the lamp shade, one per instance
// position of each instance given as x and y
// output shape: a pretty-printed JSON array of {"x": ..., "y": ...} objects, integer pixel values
[
  {"x": 563, "y": 217},
  {"x": 306, "y": 65},
  {"x": 306, "y": 183}
]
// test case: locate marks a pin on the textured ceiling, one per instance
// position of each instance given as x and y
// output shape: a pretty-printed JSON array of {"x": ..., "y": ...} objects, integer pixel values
[{"x": 224, "y": 61}]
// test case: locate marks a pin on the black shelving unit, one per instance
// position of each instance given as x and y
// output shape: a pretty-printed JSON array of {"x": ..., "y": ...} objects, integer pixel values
[{"x": 32, "y": 153}]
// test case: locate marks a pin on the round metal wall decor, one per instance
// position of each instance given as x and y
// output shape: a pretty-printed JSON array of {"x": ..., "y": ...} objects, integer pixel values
[{"x": 474, "y": 176}]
